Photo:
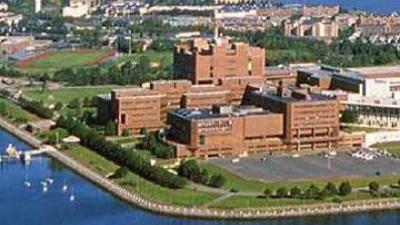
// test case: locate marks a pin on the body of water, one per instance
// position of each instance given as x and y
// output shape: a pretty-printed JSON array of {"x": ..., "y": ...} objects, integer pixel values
[
  {"x": 377, "y": 6},
  {"x": 20, "y": 205}
]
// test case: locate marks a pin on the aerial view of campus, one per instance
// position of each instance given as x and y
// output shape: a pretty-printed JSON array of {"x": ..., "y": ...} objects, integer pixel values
[{"x": 199, "y": 112}]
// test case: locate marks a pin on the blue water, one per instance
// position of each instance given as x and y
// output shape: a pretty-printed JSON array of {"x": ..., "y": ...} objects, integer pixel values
[
  {"x": 22, "y": 206},
  {"x": 378, "y": 6}
]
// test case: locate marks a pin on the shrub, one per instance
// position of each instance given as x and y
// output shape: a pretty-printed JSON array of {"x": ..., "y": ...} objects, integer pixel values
[
  {"x": 331, "y": 188},
  {"x": 75, "y": 103},
  {"x": 126, "y": 133},
  {"x": 312, "y": 192},
  {"x": 345, "y": 188},
  {"x": 373, "y": 186},
  {"x": 295, "y": 192},
  {"x": 58, "y": 106},
  {"x": 217, "y": 181},
  {"x": 121, "y": 172},
  {"x": 281, "y": 192},
  {"x": 267, "y": 192},
  {"x": 110, "y": 128}
]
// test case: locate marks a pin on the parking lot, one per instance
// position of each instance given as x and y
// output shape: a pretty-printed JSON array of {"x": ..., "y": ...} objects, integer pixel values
[{"x": 283, "y": 168}]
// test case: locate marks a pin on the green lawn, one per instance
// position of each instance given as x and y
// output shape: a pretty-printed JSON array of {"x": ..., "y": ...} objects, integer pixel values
[
  {"x": 65, "y": 95},
  {"x": 235, "y": 202},
  {"x": 16, "y": 113},
  {"x": 137, "y": 184},
  {"x": 91, "y": 159},
  {"x": 64, "y": 59},
  {"x": 393, "y": 147}
]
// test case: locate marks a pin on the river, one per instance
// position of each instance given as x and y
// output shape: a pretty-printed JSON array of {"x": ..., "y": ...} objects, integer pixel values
[
  {"x": 20, "y": 205},
  {"x": 378, "y": 6}
]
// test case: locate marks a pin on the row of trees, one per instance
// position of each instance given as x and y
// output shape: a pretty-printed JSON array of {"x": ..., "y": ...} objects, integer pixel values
[
  {"x": 133, "y": 161},
  {"x": 191, "y": 170},
  {"x": 152, "y": 142},
  {"x": 37, "y": 108},
  {"x": 342, "y": 52},
  {"x": 126, "y": 73},
  {"x": 312, "y": 192}
]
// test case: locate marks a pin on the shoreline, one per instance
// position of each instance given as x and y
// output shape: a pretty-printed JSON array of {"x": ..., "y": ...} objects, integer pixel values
[{"x": 206, "y": 213}]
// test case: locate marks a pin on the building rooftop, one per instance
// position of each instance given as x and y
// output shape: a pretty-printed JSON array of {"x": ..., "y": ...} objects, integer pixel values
[{"x": 219, "y": 112}]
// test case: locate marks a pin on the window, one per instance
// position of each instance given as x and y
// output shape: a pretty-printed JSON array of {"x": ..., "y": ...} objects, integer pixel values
[
  {"x": 123, "y": 119},
  {"x": 202, "y": 140}
]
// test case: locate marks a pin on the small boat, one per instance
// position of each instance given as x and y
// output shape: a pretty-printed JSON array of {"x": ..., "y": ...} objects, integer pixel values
[
  {"x": 12, "y": 151},
  {"x": 43, "y": 183},
  {"x": 45, "y": 189},
  {"x": 72, "y": 198},
  {"x": 49, "y": 180},
  {"x": 27, "y": 184},
  {"x": 64, "y": 188}
]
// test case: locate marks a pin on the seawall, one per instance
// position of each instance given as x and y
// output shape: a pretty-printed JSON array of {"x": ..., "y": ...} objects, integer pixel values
[{"x": 206, "y": 213}]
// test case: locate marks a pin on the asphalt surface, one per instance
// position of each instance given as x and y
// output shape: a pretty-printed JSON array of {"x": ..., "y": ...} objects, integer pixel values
[{"x": 283, "y": 168}]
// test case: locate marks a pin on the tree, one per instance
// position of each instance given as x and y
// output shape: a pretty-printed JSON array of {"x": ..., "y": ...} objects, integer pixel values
[
  {"x": 281, "y": 192},
  {"x": 110, "y": 129},
  {"x": 217, "y": 181},
  {"x": 191, "y": 170},
  {"x": 312, "y": 192},
  {"x": 349, "y": 116},
  {"x": 295, "y": 192},
  {"x": 323, "y": 194},
  {"x": 267, "y": 192},
  {"x": 204, "y": 176},
  {"x": 58, "y": 106},
  {"x": 75, "y": 103},
  {"x": 3, "y": 108},
  {"x": 87, "y": 102},
  {"x": 331, "y": 188},
  {"x": 345, "y": 188},
  {"x": 373, "y": 186},
  {"x": 121, "y": 172}
]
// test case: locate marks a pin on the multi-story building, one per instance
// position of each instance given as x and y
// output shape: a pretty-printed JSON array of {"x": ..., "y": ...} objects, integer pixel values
[
  {"x": 285, "y": 119},
  {"x": 312, "y": 27},
  {"x": 137, "y": 108},
  {"x": 224, "y": 131},
  {"x": 207, "y": 62}
]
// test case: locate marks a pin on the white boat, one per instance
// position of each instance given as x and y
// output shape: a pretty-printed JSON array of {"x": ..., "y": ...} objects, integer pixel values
[
  {"x": 43, "y": 183},
  {"x": 27, "y": 184},
  {"x": 49, "y": 180},
  {"x": 64, "y": 188},
  {"x": 12, "y": 151},
  {"x": 72, "y": 198},
  {"x": 45, "y": 189}
]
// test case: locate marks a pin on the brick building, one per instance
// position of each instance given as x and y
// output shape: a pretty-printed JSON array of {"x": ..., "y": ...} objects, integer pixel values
[
  {"x": 207, "y": 62},
  {"x": 273, "y": 119},
  {"x": 137, "y": 108}
]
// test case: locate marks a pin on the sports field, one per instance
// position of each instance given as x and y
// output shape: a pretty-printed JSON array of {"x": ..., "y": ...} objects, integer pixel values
[{"x": 55, "y": 60}]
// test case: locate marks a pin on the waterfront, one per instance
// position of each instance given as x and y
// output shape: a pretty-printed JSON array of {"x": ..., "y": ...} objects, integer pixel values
[
  {"x": 94, "y": 206},
  {"x": 367, "y": 5}
]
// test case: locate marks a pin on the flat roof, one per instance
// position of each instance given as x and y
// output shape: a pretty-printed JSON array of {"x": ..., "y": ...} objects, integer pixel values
[
  {"x": 205, "y": 113},
  {"x": 378, "y": 71}
]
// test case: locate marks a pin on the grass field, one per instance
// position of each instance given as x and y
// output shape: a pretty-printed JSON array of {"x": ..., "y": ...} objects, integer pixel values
[
  {"x": 137, "y": 184},
  {"x": 16, "y": 113},
  {"x": 65, "y": 95},
  {"x": 63, "y": 59}
]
